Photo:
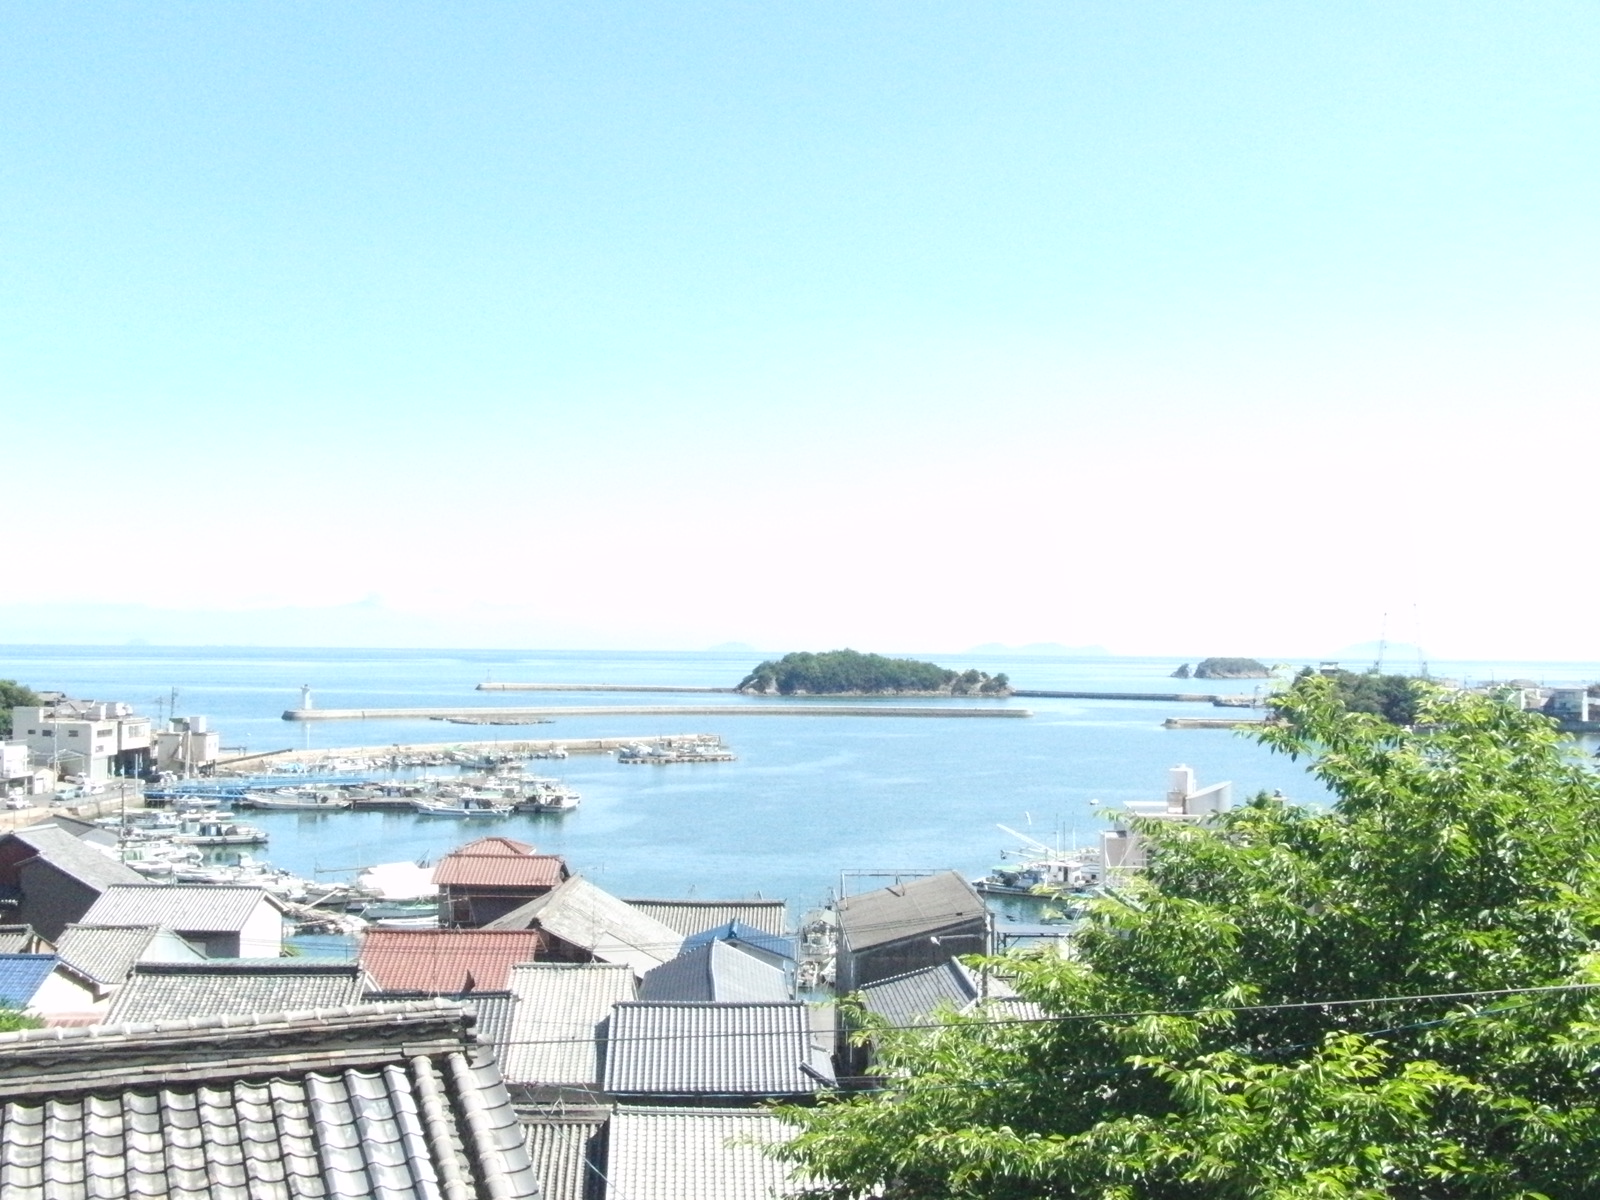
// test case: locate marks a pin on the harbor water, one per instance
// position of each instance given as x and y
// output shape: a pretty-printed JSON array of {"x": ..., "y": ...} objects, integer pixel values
[{"x": 807, "y": 798}]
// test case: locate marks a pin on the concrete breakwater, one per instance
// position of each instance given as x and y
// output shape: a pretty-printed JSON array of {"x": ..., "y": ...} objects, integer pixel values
[
  {"x": 601, "y": 687},
  {"x": 1165, "y": 697},
  {"x": 799, "y": 709}
]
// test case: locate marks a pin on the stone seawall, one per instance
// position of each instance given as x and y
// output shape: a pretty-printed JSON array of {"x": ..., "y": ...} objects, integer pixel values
[{"x": 534, "y": 715}]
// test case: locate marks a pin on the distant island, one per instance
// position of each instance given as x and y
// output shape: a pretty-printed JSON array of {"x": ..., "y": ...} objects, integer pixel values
[
  {"x": 850, "y": 673},
  {"x": 1225, "y": 668}
]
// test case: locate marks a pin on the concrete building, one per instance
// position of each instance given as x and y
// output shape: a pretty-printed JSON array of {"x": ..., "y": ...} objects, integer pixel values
[
  {"x": 187, "y": 747},
  {"x": 87, "y": 739},
  {"x": 1123, "y": 849},
  {"x": 916, "y": 923},
  {"x": 16, "y": 776}
]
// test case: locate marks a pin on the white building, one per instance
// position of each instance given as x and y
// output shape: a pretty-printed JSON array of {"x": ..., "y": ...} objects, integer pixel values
[
  {"x": 90, "y": 739},
  {"x": 1122, "y": 848},
  {"x": 15, "y": 774},
  {"x": 187, "y": 746}
]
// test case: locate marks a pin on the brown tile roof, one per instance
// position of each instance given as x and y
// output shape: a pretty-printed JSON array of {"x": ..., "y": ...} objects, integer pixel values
[
  {"x": 495, "y": 845},
  {"x": 446, "y": 961},
  {"x": 496, "y": 868}
]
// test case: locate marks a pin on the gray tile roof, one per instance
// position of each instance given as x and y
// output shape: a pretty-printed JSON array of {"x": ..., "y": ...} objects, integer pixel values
[
  {"x": 697, "y": 1154},
  {"x": 242, "y": 987},
  {"x": 612, "y": 930},
  {"x": 915, "y": 996},
  {"x": 715, "y": 971},
  {"x": 184, "y": 907},
  {"x": 909, "y": 909},
  {"x": 558, "y": 1031},
  {"x": 107, "y": 953},
  {"x": 18, "y": 939},
  {"x": 391, "y": 1100},
  {"x": 710, "y": 1050},
  {"x": 76, "y": 858},
  {"x": 565, "y": 1149},
  {"x": 689, "y": 917}
]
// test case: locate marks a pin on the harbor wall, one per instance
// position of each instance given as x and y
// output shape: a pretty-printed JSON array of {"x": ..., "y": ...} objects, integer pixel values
[
  {"x": 602, "y": 687},
  {"x": 534, "y": 715},
  {"x": 525, "y": 747}
]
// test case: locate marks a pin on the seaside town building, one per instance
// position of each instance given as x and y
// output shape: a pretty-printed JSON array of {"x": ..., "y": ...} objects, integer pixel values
[
  {"x": 89, "y": 740},
  {"x": 1123, "y": 849}
]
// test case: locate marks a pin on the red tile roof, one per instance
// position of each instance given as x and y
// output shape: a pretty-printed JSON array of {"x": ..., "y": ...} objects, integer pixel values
[
  {"x": 494, "y": 845},
  {"x": 500, "y": 870},
  {"x": 446, "y": 960}
]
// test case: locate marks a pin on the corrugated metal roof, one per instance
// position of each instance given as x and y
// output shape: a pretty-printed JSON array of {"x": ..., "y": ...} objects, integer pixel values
[
  {"x": 747, "y": 935},
  {"x": 612, "y": 930},
  {"x": 234, "y": 1110},
  {"x": 697, "y": 1154},
  {"x": 565, "y": 1151},
  {"x": 690, "y": 917},
  {"x": 915, "y": 996},
  {"x": 21, "y": 975},
  {"x": 76, "y": 858},
  {"x": 187, "y": 908},
  {"x": 558, "y": 1030},
  {"x": 715, "y": 971},
  {"x": 909, "y": 909},
  {"x": 443, "y": 961},
  {"x": 499, "y": 870},
  {"x": 713, "y": 1049},
  {"x": 180, "y": 991}
]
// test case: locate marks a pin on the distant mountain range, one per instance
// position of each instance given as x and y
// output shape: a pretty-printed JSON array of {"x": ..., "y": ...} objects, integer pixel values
[{"x": 1042, "y": 650}]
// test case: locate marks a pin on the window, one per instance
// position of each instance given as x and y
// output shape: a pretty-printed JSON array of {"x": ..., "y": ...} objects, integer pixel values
[{"x": 72, "y": 733}]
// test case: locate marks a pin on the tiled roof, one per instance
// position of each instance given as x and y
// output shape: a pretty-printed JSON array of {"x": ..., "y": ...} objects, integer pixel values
[
  {"x": 714, "y": 1050},
  {"x": 697, "y": 1154},
  {"x": 76, "y": 858},
  {"x": 21, "y": 975},
  {"x": 690, "y": 917},
  {"x": 180, "y": 991},
  {"x": 715, "y": 970},
  {"x": 197, "y": 907},
  {"x": 107, "y": 953},
  {"x": 612, "y": 930},
  {"x": 388, "y": 1100},
  {"x": 440, "y": 961},
  {"x": 496, "y": 845},
  {"x": 909, "y": 909},
  {"x": 748, "y": 935},
  {"x": 499, "y": 870},
  {"x": 557, "y": 1033},
  {"x": 915, "y": 996},
  {"x": 565, "y": 1150},
  {"x": 18, "y": 939}
]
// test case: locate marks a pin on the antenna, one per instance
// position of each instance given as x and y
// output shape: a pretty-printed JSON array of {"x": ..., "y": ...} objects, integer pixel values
[
  {"x": 1422, "y": 659},
  {"x": 1383, "y": 644}
]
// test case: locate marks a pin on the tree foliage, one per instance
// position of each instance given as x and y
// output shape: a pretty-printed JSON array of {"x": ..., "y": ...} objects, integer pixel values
[
  {"x": 1294, "y": 1002},
  {"x": 12, "y": 694},
  {"x": 845, "y": 671},
  {"x": 1393, "y": 697},
  {"x": 1232, "y": 668}
]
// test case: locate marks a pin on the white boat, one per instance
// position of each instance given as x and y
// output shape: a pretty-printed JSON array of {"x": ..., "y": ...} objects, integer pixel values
[
  {"x": 291, "y": 801},
  {"x": 220, "y": 833},
  {"x": 1042, "y": 870},
  {"x": 463, "y": 806}
]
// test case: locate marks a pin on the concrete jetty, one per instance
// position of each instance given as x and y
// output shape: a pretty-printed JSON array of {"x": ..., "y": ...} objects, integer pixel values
[
  {"x": 600, "y": 687},
  {"x": 1166, "y": 697},
  {"x": 1212, "y": 722},
  {"x": 533, "y": 715}
]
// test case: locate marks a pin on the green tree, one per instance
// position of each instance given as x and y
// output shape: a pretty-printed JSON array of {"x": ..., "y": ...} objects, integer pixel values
[
  {"x": 12, "y": 694},
  {"x": 1293, "y": 1003}
]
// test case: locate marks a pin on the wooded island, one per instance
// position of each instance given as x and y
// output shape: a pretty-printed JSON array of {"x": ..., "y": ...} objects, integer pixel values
[{"x": 851, "y": 673}]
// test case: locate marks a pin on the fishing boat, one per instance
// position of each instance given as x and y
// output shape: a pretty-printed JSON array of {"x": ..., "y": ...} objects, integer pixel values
[
  {"x": 461, "y": 806},
  {"x": 542, "y": 795},
  {"x": 220, "y": 833},
  {"x": 295, "y": 801},
  {"x": 1041, "y": 870}
]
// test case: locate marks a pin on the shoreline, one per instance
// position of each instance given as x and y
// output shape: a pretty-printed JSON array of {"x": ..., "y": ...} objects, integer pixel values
[{"x": 541, "y": 715}]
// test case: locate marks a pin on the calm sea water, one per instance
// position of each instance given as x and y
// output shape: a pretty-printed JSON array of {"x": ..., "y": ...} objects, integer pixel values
[{"x": 808, "y": 798}]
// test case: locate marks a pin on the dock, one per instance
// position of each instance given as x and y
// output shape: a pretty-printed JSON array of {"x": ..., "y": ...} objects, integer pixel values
[
  {"x": 534, "y": 716},
  {"x": 1212, "y": 722},
  {"x": 604, "y": 687},
  {"x": 1164, "y": 697}
]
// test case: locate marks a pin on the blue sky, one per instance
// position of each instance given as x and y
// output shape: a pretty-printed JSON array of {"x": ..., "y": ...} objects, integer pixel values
[{"x": 1167, "y": 327}]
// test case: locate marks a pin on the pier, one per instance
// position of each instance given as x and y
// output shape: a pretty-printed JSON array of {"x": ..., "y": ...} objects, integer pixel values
[
  {"x": 1165, "y": 697},
  {"x": 533, "y": 716},
  {"x": 603, "y": 687}
]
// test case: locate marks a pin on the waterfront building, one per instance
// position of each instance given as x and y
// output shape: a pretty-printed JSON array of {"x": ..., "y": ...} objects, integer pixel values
[
  {"x": 223, "y": 921},
  {"x": 716, "y": 972},
  {"x": 583, "y": 923},
  {"x": 89, "y": 739},
  {"x": 690, "y": 917},
  {"x": 187, "y": 747},
  {"x": 486, "y": 879},
  {"x": 911, "y": 924},
  {"x": 560, "y": 1028},
  {"x": 1122, "y": 849},
  {"x": 442, "y": 962},
  {"x": 182, "y": 991}
]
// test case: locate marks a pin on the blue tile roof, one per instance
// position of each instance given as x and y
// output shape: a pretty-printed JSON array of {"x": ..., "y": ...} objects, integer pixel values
[
  {"x": 749, "y": 935},
  {"x": 21, "y": 975}
]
